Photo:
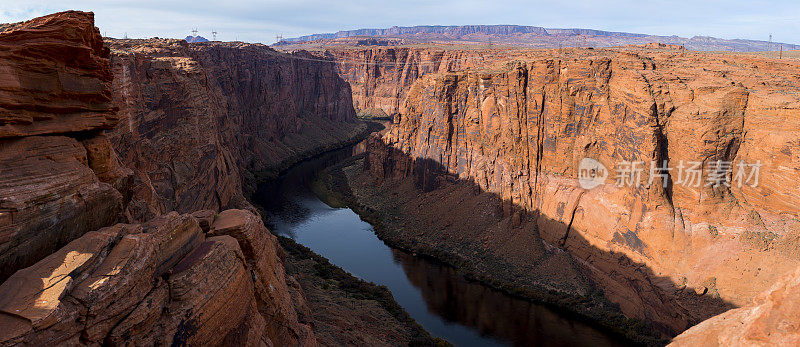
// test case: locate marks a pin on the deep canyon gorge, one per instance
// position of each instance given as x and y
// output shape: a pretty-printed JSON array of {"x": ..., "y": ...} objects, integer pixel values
[{"x": 130, "y": 209}]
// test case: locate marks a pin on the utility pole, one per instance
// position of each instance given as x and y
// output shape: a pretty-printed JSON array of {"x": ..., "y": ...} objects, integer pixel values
[
  {"x": 780, "y": 56},
  {"x": 769, "y": 45}
]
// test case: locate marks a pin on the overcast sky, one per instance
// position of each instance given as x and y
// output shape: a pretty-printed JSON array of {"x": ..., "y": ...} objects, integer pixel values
[{"x": 260, "y": 21}]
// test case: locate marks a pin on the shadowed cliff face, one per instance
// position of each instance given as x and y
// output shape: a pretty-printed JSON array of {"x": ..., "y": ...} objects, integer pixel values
[
  {"x": 520, "y": 132},
  {"x": 197, "y": 124},
  {"x": 201, "y": 123}
]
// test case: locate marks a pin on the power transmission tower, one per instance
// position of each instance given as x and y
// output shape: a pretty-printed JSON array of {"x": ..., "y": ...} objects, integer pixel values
[
  {"x": 769, "y": 45},
  {"x": 214, "y": 34},
  {"x": 278, "y": 38},
  {"x": 194, "y": 32}
]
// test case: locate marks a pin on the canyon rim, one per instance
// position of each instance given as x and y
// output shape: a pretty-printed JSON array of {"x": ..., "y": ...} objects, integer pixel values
[{"x": 623, "y": 188}]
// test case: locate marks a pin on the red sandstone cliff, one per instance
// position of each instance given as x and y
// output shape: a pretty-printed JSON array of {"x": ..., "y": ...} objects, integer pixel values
[
  {"x": 520, "y": 132},
  {"x": 771, "y": 320},
  {"x": 59, "y": 177},
  {"x": 201, "y": 123},
  {"x": 198, "y": 125},
  {"x": 380, "y": 77}
]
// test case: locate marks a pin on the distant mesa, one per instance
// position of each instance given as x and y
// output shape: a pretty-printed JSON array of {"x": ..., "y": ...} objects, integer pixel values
[
  {"x": 531, "y": 36},
  {"x": 193, "y": 39}
]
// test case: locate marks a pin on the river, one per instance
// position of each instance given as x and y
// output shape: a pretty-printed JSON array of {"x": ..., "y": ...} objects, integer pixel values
[{"x": 446, "y": 304}]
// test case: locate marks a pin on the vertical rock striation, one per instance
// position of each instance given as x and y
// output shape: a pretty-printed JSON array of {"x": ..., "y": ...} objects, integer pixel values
[
  {"x": 380, "y": 77},
  {"x": 520, "y": 131},
  {"x": 201, "y": 123}
]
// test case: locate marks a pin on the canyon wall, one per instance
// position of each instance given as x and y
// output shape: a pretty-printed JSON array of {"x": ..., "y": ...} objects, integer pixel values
[
  {"x": 59, "y": 177},
  {"x": 666, "y": 251},
  {"x": 200, "y": 124},
  {"x": 91, "y": 137},
  {"x": 380, "y": 77}
]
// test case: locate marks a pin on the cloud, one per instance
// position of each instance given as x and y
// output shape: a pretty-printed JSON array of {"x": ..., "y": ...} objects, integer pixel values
[{"x": 260, "y": 21}]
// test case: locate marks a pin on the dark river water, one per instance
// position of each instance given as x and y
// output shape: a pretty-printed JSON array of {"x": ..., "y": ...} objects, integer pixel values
[{"x": 443, "y": 302}]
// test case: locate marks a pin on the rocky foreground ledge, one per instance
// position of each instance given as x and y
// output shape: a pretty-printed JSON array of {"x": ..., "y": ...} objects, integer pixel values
[
  {"x": 771, "y": 320},
  {"x": 201, "y": 278},
  {"x": 123, "y": 173}
]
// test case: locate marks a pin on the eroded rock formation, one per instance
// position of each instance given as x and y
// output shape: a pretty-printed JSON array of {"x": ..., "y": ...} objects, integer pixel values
[
  {"x": 771, "y": 320},
  {"x": 167, "y": 281},
  {"x": 198, "y": 126},
  {"x": 55, "y": 85},
  {"x": 59, "y": 178},
  {"x": 201, "y": 123},
  {"x": 520, "y": 133}
]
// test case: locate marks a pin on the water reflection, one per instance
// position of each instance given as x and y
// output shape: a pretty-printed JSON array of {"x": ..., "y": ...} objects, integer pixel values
[
  {"x": 490, "y": 311},
  {"x": 442, "y": 301}
]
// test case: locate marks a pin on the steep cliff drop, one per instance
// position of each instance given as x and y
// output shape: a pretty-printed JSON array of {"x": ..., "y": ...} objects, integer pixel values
[
  {"x": 201, "y": 124},
  {"x": 185, "y": 279},
  {"x": 494, "y": 155},
  {"x": 59, "y": 177},
  {"x": 118, "y": 169}
]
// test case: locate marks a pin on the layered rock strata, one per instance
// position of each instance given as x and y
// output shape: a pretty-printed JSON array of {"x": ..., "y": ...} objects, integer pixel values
[
  {"x": 165, "y": 282},
  {"x": 201, "y": 123},
  {"x": 520, "y": 133},
  {"x": 59, "y": 177}
]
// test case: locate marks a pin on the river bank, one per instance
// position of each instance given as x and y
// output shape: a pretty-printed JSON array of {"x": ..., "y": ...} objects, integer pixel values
[
  {"x": 341, "y": 307},
  {"x": 344, "y": 309},
  {"x": 388, "y": 208},
  {"x": 433, "y": 294}
]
